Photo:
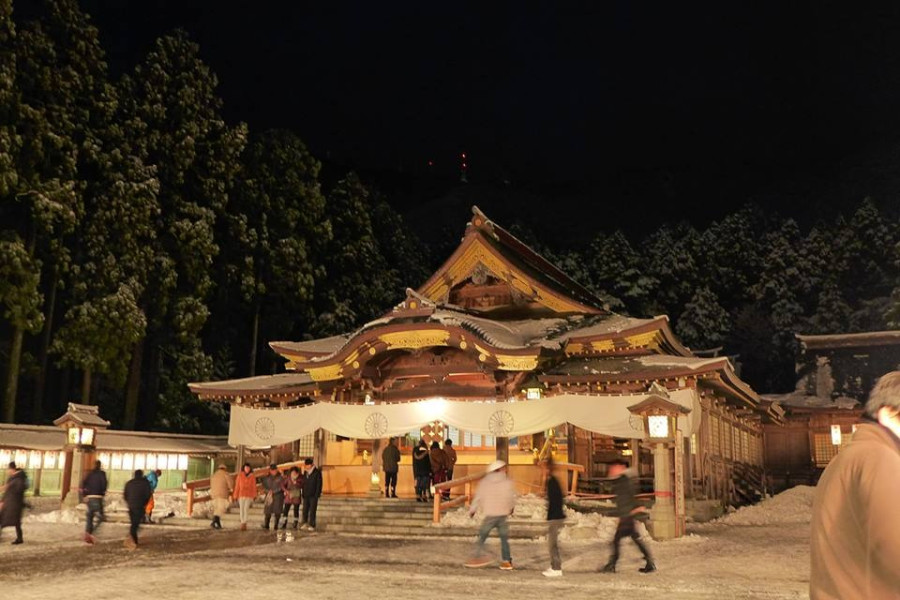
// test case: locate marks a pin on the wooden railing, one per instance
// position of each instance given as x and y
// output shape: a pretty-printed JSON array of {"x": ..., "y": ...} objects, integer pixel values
[
  {"x": 467, "y": 481},
  {"x": 191, "y": 487}
]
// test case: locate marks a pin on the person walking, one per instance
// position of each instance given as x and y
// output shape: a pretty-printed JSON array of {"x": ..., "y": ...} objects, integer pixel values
[
  {"x": 390, "y": 462},
  {"x": 220, "y": 490},
  {"x": 496, "y": 496},
  {"x": 292, "y": 486},
  {"x": 556, "y": 518},
  {"x": 438, "y": 466},
  {"x": 422, "y": 471},
  {"x": 153, "y": 480},
  {"x": 312, "y": 489},
  {"x": 854, "y": 541},
  {"x": 13, "y": 502},
  {"x": 628, "y": 511},
  {"x": 274, "y": 503},
  {"x": 137, "y": 494},
  {"x": 245, "y": 492},
  {"x": 93, "y": 489},
  {"x": 450, "y": 451}
]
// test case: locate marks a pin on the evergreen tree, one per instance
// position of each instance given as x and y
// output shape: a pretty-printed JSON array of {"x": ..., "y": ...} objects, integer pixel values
[
  {"x": 173, "y": 121},
  {"x": 357, "y": 284},
  {"x": 274, "y": 232},
  {"x": 617, "y": 274},
  {"x": 704, "y": 323},
  {"x": 671, "y": 260}
]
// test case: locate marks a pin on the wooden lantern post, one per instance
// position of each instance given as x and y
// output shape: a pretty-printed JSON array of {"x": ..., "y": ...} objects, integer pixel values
[{"x": 81, "y": 423}]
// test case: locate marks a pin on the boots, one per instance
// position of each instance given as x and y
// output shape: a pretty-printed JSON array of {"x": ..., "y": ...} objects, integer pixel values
[
  {"x": 394, "y": 493},
  {"x": 216, "y": 523},
  {"x": 648, "y": 568},
  {"x": 610, "y": 567},
  {"x": 296, "y": 523}
]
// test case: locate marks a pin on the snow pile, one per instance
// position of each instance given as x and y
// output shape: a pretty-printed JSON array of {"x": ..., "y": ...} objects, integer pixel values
[
  {"x": 66, "y": 516},
  {"x": 790, "y": 506},
  {"x": 579, "y": 525},
  {"x": 166, "y": 503}
]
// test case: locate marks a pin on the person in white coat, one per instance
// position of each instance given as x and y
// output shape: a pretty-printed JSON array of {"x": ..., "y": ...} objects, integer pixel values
[{"x": 496, "y": 497}]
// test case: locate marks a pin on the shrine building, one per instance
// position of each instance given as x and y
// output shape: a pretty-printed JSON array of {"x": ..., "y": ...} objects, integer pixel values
[{"x": 509, "y": 357}]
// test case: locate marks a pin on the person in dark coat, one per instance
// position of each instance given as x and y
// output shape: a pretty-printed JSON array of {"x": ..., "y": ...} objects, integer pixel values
[
  {"x": 390, "y": 462},
  {"x": 274, "y": 503},
  {"x": 439, "y": 466},
  {"x": 422, "y": 470},
  {"x": 13, "y": 501},
  {"x": 292, "y": 486},
  {"x": 627, "y": 509},
  {"x": 556, "y": 519},
  {"x": 312, "y": 489},
  {"x": 93, "y": 490},
  {"x": 137, "y": 493}
]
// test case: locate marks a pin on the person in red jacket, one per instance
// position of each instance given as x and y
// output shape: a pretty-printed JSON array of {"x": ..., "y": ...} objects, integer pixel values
[{"x": 245, "y": 492}]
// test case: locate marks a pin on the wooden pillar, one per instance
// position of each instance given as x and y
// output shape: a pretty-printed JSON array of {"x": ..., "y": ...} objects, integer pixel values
[
  {"x": 319, "y": 448},
  {"x": 502, "y": 445},
  {"x": 240, "y": 458},
  {"x": 635, "y": 462}
]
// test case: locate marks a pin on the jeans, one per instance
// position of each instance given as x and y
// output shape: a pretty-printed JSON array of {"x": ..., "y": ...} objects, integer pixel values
[
  {"x": 390, "y": 481},
  {"x": 626, "y": 529},
  {"x": 94, "y": 509},
  {"x": 422, "y": 484},
  {"x": 244, "y": 505},
  {"x": 310, "y": 504},
  {"x": 553, "y": 543},
  {"x": 502, "y": 527}
]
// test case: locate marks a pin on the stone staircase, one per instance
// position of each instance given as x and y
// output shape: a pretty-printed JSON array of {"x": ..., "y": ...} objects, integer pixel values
[{"x": 370, "y": 516}]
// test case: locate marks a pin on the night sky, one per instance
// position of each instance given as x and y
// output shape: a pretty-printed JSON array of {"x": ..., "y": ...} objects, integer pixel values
[{"x": 599, "y": 105}]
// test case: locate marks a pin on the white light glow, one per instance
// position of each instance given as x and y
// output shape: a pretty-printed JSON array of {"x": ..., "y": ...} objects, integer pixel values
[
  {"x": 836, "y": 435},
  {"x": 658, "y": 425}
]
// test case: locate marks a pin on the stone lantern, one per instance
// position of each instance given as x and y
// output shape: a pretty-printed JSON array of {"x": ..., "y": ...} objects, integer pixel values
[
  {"x": 659, "y": 415},
  {"x": 81, "y": 423}
]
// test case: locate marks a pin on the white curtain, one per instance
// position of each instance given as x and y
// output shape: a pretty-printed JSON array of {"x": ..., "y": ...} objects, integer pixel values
[{"x": 607, "y": 415}]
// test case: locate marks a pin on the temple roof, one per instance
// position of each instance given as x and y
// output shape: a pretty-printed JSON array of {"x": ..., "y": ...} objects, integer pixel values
[
  {"x": 495, "y": 316},
  {"x": 850, "y": 340},
  {"x": 488, "y": 245}
]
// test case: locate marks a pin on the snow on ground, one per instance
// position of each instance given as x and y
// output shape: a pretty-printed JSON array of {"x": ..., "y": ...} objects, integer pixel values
[
  {"x": 756, "y": 552},
  {"x": 579, "y": 525},
  {"x": 791, "y": 506}
]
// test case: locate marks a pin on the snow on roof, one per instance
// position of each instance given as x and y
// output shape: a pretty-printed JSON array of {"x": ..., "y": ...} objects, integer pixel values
[
  {"x": 850, "y": 340},
  {"x": 638, "y": 364},
  {"x": 50, "y": 438},
  {"x": 802, "y": 400},
  {"x": 326, "y": 345},
  {"x": 258, "y": 383}
]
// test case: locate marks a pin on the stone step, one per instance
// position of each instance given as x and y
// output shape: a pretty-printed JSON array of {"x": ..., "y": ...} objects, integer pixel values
[{"x": 517, "y": 532}]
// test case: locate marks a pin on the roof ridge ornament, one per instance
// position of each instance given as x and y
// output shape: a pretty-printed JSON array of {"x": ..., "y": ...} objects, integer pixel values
[{"x": 481, "y": 222}]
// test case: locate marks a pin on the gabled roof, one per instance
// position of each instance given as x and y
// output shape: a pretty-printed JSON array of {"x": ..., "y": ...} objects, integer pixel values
[
  {"x": 83, "y": 414},
  {"x": 508, "y": 259}
]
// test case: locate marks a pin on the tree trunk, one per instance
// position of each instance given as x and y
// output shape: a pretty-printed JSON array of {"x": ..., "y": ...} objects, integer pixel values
[
  {"x": 37, "y": 410},
  {"x": 133, "y": 388},
  {"x": 12, "y": 377},
  {"x": 86, "y": 386},
  {"x": 255, "y": 338}
]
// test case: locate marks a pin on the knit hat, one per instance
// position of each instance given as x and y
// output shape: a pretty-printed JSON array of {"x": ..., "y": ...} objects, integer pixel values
[{"x": 495, "y": 466}]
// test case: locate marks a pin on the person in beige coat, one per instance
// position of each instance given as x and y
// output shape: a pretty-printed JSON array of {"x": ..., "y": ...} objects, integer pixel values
[
  {"x": 220, "y": 490},
  {"x": 855, "y": 529}
]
